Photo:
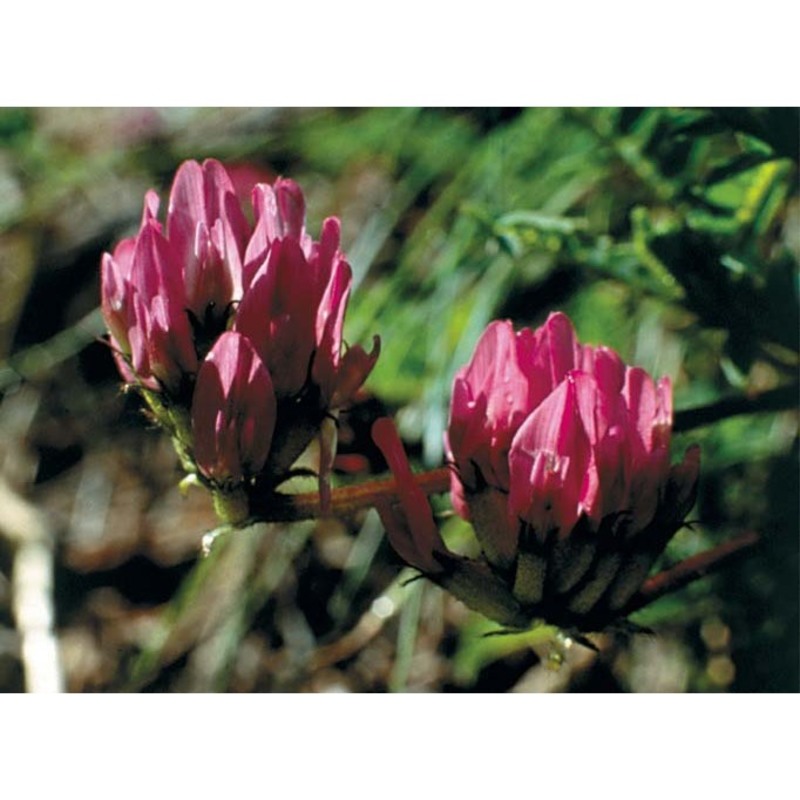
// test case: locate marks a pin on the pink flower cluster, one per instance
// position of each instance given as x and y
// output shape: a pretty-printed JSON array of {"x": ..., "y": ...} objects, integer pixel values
[
  {"x": 560, "y": 457},
  {"x": 232, "y": 330},
  {"x": 239, "y": 323}
]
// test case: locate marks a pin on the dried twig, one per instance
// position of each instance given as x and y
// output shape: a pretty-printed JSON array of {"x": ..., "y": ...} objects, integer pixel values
[{"x": 32, "y": 589}]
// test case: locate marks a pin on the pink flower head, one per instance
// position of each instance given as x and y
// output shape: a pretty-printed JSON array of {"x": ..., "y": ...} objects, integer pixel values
[
  {"x": 233, "y": 411},
  {"x": 566, "y": 429},
  {"x": 294, "y": 304},
  {"x": 561, "y": 462},
  {"x": 238, "y": 326},
  {"x": 164, "y": 284}
]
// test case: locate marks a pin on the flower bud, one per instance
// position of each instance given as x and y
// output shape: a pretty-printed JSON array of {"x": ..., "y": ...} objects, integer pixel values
[
  {"x": 280, "y": 212},
  {"x": 208, "y": 233},
  {"x": 162, "y": 342},
  {"x": 233, "y": 412},
  {"x": 166, "y": 293}
]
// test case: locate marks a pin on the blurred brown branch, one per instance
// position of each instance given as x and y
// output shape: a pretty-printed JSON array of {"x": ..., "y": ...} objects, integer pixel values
[
  {"x": 691, "y": 569},
  {"x": 780, "y": 399}
]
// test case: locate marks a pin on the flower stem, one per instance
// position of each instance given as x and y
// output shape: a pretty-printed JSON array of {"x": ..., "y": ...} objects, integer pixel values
[
  {"x": 691, "y": 569},
  {"x": 231, "y": 507},
  {"x": 348, "y": 499}
]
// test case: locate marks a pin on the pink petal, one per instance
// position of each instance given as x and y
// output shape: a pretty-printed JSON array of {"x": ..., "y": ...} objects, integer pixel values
[
  {"x": 329, "y": 326},
  {"x": 355, "y": 367},
  {"x": 640, "y": 397},
  {"x": 278, "y": 314},
  {"x": 233, "y": 411},
  {"x": 605, "y": 366},
  {"x": 490, "y": 402},
  {"x": 115, "y": 299},
  {"x": 415, "y": 538},
  {"x": 280, "y": 213},
  {"x": 559, "y": 345},
  {"x": 151, "y": 206},
  {"x": 169, "y": 337},
  {"x": 204, "y": 197},
  {"x": 548, "y": 463}
]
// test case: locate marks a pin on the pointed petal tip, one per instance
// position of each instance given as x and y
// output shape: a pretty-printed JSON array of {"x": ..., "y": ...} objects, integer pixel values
[{"x": 412, "y": 530}]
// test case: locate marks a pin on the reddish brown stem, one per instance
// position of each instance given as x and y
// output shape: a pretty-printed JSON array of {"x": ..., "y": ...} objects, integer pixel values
[
  {"x": 349, "y": 499},
  {"x": 691, "y": 569}
]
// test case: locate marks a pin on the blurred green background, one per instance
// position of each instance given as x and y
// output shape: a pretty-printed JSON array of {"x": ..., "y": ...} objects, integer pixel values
[{"x": 672, "y": 235}]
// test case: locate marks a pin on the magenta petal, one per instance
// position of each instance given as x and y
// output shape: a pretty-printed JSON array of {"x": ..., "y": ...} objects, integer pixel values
[
  {"x": 467, "y": 438},
  {"x": 115, "y": 302},
  {"x": 491, "y": 397},
  {"x": 257, "y": 249},
  {"x": 640, "y": 397},
  {"x": 559, "y": 345},
  {"x": 329, "y": 241},
  {"x": 116, "y": 289},
  {"x": 151, "y": 206},
  {"x": 233, "y": 411},
  {"x": 278, "y": 314},
  {"x": 494, "y": 372},
  {"x": 186, "y": 207},
  {"x": 253, "y": 317},
  {"x": 202, "y": 201},
  {"x": 329, "y": 326},
  {"x": 207, "y": 278},
  {"x": 355, "y": 367},
  {"x": 280, "y": 213},
  {"x": 605, "y": 366},
  {"x": 548, "y": 461},
  {"x": 418, "y": 539},
  {"x": 139, "y": 337},
  {"x": 291, "y": 208},
  {"x": 613, "y": 469},
  {"x": 168, "y": 335}
]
